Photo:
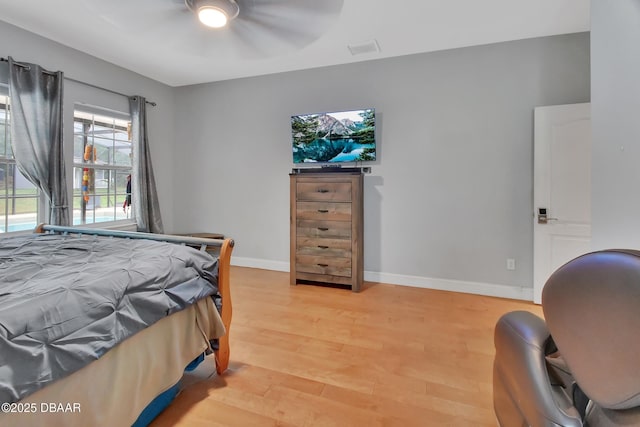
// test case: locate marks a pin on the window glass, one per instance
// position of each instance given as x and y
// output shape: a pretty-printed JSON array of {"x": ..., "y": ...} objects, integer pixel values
[
  {"x": 102, "y": 159},
  {"x": 19, "y": 198}
]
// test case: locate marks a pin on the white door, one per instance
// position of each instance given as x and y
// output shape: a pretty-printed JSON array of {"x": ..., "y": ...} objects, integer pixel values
[{"x": 562, "y": 189}]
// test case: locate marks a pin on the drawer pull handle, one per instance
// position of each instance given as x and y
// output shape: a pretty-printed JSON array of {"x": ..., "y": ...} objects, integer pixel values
[
  {"x": 323, "y": 228},
  {"x": 323, "y": 265},
  {"x": 323, "y": 247},
  {"x": 323, "y": 210},
  {"x": 322, "y": 190}
]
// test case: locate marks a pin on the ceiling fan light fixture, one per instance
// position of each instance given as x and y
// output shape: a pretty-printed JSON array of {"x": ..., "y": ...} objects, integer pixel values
[
  {"x": 214, "y": 13},
  {"x": 212, "y": 17}
]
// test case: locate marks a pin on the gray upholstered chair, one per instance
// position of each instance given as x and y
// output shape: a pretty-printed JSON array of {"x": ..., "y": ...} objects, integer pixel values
[{"x": 581, "y": 365}]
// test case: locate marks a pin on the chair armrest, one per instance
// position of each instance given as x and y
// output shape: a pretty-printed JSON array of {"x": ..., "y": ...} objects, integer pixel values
[{"x": 521, "y": 381}]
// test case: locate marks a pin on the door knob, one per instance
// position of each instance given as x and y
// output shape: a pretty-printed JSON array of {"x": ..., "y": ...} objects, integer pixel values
[{"x": 542, "y": 216}]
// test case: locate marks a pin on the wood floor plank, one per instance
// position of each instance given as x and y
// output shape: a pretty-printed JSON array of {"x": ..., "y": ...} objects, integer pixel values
[{"x": 324, "y": 356}]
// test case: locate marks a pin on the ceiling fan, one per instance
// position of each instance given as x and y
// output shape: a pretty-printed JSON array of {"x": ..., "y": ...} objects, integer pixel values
[{"x": 241, "y": 28}]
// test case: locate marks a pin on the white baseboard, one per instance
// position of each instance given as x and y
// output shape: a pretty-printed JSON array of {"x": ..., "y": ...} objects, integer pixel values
[
  {"x": 479, "y": 288},
  {"x": 260, "y": 263},
  {"x": 488, "y": 289}
]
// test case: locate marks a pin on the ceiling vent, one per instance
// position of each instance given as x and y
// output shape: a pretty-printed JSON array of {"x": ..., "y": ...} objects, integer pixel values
[{"x": 370, "y": 46}]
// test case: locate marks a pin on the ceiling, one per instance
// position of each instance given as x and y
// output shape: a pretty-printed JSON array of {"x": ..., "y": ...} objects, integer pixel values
[{"x": 168, "y": 45}]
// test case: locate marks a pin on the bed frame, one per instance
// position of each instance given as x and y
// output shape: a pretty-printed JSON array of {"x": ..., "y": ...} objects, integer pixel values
[{"x": 224, "y": 265}]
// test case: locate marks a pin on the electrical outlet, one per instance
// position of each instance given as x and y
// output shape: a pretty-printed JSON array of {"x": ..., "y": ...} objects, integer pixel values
[{"x": 511, "y": 264}]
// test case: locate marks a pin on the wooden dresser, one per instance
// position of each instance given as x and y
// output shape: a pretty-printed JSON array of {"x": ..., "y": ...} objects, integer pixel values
[{"x": 327, "y": 228}]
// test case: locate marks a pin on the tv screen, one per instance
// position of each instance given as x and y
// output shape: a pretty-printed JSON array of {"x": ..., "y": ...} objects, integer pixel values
[{"x": 342, "y": 136}]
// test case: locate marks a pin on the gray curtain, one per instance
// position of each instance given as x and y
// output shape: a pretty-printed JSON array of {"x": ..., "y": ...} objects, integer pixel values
[
  {"x": 36, "y": 132},
  {"x": 144, "y": 195}
]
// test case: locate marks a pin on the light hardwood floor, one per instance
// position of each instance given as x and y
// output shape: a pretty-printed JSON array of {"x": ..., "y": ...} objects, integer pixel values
[{"x": 320, "y": 356}]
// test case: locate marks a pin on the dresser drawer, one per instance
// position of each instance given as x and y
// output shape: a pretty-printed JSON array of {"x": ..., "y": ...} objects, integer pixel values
[
  {"x": 323, "y": 265},
  {"x": 324, "y": 229},
  {"x": 324, "y": 247},
  {"x": 324, "y": 211},
  {"x": 323, "y": 191}
]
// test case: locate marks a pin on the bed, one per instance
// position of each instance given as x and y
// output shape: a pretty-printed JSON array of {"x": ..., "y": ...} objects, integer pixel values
[{"x": 97, "y": 327}]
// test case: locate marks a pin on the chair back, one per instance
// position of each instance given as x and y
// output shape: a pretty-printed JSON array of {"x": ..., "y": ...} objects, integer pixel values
[{"x": 592, "y": 309}]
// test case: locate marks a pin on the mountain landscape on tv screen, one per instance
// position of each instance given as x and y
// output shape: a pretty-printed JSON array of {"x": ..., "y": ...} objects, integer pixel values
[{"x": 334, "y": 137}]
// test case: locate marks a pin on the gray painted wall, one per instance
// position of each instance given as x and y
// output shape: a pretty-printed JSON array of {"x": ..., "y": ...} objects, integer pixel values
[
  {"x": 451, "y": 194},
  {"x": 449, "y": 197},
  {"x": 27, "y": 47},
  {"x": 616, "y": 123}
]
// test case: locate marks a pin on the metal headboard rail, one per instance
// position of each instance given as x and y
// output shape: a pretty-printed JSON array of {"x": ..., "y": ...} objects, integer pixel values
[{"x": 185, "y": 240}]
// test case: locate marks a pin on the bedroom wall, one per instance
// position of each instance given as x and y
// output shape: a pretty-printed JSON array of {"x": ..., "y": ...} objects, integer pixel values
[
  {"x": 615, "y": 111},
  {"x": 28, "y": 47},
  {"x": 450, "y": 198}
]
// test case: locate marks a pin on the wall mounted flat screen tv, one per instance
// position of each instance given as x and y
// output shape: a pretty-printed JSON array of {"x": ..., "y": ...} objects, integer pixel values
[{"x": 342, "y": 136}]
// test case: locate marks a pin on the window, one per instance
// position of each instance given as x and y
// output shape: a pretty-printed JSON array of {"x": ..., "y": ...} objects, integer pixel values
[
  {"x": 19, "y": 198},
  {"x": 102, "y": 161}
]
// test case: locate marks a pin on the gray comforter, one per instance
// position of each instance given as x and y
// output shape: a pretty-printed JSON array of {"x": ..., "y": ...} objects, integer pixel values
[{"x": 66, "y": 300}]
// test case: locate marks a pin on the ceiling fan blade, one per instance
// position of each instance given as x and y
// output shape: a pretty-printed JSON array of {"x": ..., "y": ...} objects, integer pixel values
[
  {"x": 308, "y": 10},
  {"x": 270, "y": 27},
  {"x": 141, "y": 16}
]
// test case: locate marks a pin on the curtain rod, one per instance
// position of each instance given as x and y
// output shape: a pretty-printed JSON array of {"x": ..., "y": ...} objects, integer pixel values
[{"x": 153, "y": 104}]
